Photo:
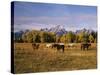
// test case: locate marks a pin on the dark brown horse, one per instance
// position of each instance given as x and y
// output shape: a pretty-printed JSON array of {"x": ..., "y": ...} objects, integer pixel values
[
  {"x": 85, "y": 46},
  {"x": 35, "y": 46},
  {"x": 58, "y": 46}
]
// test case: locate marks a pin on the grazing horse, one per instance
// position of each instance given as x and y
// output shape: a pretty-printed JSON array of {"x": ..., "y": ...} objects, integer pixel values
[
  {"x": 48, "y": 45},
  {"x": 59, "y": 46},
  {"x": 35, "y": 46},
  {"x": 70, "y": 45},
  {"x": 85, "y": 46},
  {"x": 54, "y": 45}
]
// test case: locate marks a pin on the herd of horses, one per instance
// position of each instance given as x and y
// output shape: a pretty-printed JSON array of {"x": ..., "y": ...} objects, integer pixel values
[{"x": 61, "y": 46}]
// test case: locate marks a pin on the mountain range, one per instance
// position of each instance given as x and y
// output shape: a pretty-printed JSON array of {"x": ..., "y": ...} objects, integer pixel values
[{"x": 58, "y": 30}]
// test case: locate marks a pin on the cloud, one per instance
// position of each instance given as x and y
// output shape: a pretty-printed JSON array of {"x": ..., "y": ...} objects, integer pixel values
[
  {"x": 31, "y": 26},
  {"x": 41, "y": 20},
  {"x": 69, "y": 22},
  {"x": 38, "y": 15}
]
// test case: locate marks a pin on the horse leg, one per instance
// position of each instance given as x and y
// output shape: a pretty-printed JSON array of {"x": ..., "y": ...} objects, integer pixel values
[
  {"x": 63, "y": 49},
  {"x": 81, "y": 48},
  {"x": 87, "y": 47},
  {"x": 58, "y": 49}
]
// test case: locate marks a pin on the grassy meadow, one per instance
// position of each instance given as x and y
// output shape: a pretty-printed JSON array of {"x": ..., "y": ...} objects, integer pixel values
[{"x": 47, "y": 59}]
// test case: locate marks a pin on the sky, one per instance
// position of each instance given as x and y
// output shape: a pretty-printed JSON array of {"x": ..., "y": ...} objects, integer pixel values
[{"x": 30, "y": 16}]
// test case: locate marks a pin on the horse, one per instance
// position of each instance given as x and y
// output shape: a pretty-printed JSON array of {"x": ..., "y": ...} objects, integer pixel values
[
  {"x": 85, "y": 46},
  {"x": 54, "y": 45},
  {"x": 59, "y": 46},
  {"x": 70, "y": 45},
  {"x": 48, "y": 45},
  {"x": 35, "y": 46}
]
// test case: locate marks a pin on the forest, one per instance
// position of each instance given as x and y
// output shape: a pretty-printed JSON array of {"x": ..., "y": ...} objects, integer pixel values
[{"x": 38, "y": 36}]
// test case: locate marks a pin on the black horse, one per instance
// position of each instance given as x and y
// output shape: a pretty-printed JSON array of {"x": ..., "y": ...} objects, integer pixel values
[
  {"x": 35, "y": 46},
  {"x": 85, "y": 46},
  {"x": 54, "y": 45},
  {"x": 59, "y": 46}
]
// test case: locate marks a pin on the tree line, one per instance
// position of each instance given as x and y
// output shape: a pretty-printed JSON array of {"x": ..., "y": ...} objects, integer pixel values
[{"x": 51, "y": 37}]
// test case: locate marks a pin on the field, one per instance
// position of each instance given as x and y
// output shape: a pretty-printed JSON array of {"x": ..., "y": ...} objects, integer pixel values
[{"x": 47, "y": 59}]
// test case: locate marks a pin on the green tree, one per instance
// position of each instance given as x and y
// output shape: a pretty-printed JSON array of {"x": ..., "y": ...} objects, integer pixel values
[
  {"x": 70, "y": 37},
  {"x": 24, "y": 37},
  {"x": 29, "y": 37},
  {"x": 48, "y": 37},
  {"x": 38, "y": 38},
  {"x": 91, "y": 38},
  {"x": 76, "y": 38},
  {"x": 95, "y": 41},
  {"x": 83, "y": 37},
  {"x": 63, "y": 38}
]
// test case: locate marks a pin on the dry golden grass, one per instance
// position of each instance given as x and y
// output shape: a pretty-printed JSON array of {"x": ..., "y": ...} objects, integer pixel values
[{"x": 47, "y": 59}]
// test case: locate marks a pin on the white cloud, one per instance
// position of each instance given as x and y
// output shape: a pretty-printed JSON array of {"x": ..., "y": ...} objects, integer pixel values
[{"x": 70, "y": 22}]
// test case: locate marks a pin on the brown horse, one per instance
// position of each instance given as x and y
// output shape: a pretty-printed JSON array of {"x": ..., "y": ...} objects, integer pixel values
[
  {"x": 35, "y": 46},
  {"x": 59, "y": 46},
  {"x": 85, "y": 46}
]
